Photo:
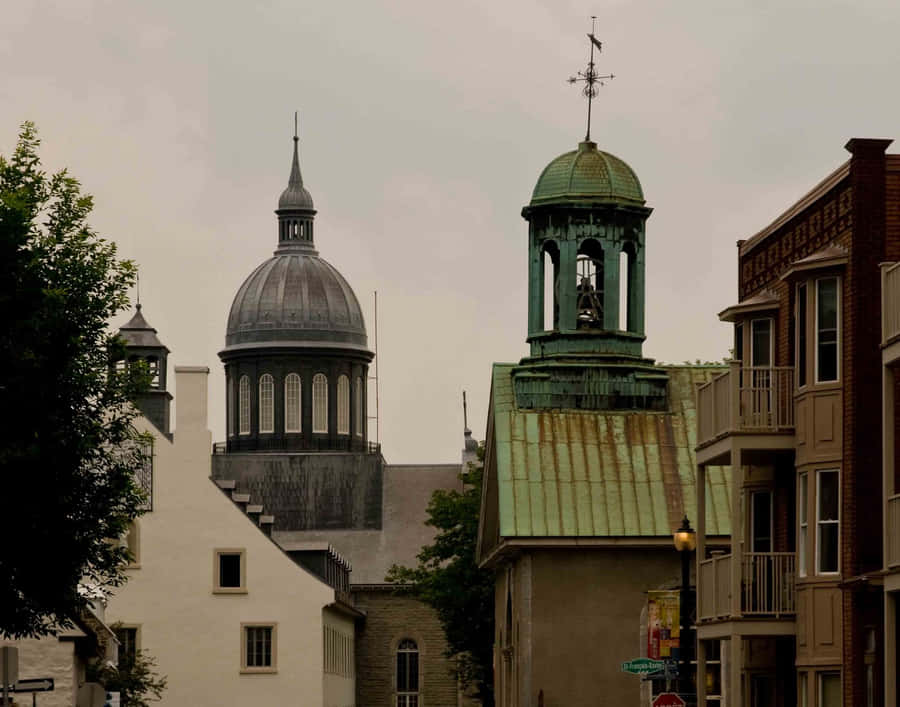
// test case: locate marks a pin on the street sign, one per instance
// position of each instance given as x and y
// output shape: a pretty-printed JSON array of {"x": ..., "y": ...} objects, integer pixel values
[
  {"x": 668, "y": 699},
  {"x": 32, "y": 685},
  {"x": 642, "y": 666}
]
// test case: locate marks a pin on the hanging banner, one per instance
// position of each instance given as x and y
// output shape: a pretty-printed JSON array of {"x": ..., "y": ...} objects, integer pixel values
[{"x": 663, "y": 624}]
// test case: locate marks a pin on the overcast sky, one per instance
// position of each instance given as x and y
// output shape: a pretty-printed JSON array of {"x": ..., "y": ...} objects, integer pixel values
[{"x": 424, "y": 126}]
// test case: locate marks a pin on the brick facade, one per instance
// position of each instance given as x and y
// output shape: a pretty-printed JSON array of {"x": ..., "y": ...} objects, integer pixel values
[
  {"x": 858, "y": 209},
  {"x": 390, "y": 619}
]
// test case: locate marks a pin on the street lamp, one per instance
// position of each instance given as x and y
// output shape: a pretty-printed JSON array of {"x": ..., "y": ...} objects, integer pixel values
[{"x": 685, "y": 542}]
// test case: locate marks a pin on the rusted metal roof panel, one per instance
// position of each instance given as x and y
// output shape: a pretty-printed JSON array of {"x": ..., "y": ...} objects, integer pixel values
[{"x": 565, "y": 473}]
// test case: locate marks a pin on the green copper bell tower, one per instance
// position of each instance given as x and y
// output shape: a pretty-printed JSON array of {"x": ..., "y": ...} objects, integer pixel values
[{"x": 586, "y": 258}]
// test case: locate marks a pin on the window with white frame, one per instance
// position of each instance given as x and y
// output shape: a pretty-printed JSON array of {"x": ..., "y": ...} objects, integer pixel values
[
  {"x": 407, "y": 673},
  {"x": 258, "y": 648},
  {"x": 358, "y": 408},
  {"x": 803, "y": 519},
  {"x": 320, "y": 403},
  {"x": 266, "y": 403},
  {"x": 244, "y": 405},
  {"x": 343, "y": 403},
  {"x": 827, "y": 521},
  {"x": 292, "y": 403},
  {"x": 827, "y": 299}
]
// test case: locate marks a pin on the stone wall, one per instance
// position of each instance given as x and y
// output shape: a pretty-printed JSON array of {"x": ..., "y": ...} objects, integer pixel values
[{"x": 390, "y": 619}]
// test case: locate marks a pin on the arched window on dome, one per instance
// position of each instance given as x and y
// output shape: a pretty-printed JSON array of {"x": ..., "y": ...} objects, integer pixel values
[
  {"x": 359, "y": 420},
  {"x": 320, "y": 403},
  {"x": 292, "y": 403},
  {"x": 266, "y": 403},
  {"x": 343, "y": 403},
  {"x": 550, "y": 269},
  {"x": 229, "y": 388},
  {"x": 244, "y": 406}
]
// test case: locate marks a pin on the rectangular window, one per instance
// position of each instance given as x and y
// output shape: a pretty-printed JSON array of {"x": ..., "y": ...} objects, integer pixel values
[
  {"x": 258, "y": 648},
  {"x": 761, "y": 342},
  {"x": 827, "y": 330},
  {"x": 803, "y": 518},
  {"x": 128, "y": 645},
  {"x": 827, "y": 522},
  {"x": 829, "y": 692},
  {"x": 802, "y": 690},
  {"x": 761, "y": 521},
  {"x": 738, "y": 342},
  {"x": 229, "y": 571},
  {"x": 801, "y": 334}
]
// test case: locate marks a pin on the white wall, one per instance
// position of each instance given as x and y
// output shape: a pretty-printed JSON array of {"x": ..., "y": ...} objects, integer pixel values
[{"x": 194, "y": 634}]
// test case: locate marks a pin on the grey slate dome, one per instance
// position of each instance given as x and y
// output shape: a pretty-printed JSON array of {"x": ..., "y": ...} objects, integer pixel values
[{"x": 295, "y": 299}]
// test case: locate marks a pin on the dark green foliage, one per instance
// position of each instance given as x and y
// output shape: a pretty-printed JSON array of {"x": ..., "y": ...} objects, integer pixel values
[
  {"x": 136, "y": 679},
  {"x": 67, "y": 445},
  {"x": 448, "y": 579}
]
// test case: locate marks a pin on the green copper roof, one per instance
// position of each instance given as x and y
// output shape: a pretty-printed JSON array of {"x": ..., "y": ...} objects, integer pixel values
[
  {"x": 587, "y": 174},
  {"x": 564, "y": 473}
]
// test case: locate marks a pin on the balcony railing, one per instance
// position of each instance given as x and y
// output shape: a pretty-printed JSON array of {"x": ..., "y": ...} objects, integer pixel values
[
  {"x": 890, "y": 298},
  {"x": 893, "y": 531},
  {"x": 746, "y": 399},
  {"x": 767, "y": 585},
  {"x": 715, "y": 587}
]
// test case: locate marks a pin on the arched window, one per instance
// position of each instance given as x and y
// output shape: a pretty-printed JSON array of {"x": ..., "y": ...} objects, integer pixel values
[
  {"x": 153, "y": 368},
  {"x": 229, "y": 387},
  {"x": 292, "y": 403},
  {"x": 266, "y": 403},
  {"x": 589, "y": 285},
  {"x": 320, "y": 403},
  {"x": 407, "y": 673},
  {"x": 550, "y": 266},
  {"x": 358, "y": 408},
  {"x": 343, "y": 403},
  {"x": 244, "y": 406}
]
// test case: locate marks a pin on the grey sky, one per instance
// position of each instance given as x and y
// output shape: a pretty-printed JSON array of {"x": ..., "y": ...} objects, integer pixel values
[{"x": 423, "y": 129}]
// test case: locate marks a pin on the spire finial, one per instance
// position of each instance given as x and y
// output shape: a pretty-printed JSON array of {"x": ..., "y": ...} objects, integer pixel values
[
  {"x": 137, "y": 274},
  {"x": 296, "y": 179},
  {"x": 590, "y": 77}
]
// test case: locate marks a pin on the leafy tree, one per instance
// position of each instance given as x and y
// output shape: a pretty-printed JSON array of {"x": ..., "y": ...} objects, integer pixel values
[
  {"x": 135, "y": 679},
  {"x": 67, "y": 445},
  {"x": 448, "y": 579}
]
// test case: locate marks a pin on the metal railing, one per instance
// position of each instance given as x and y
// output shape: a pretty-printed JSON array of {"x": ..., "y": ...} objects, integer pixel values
[
  {"x": 715, "y": 587},
  {"x": 746, "y": 399},
  {"x": 768, "y": 585},
  {"x": 252, "y": 444},
  {"x": 890, "y": 303},
  {"x": 893, "y": 531}
]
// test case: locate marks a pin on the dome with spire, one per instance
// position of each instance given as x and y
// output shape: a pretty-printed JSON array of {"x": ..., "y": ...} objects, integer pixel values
[
  {"x": 296, "y": 298},
  {"x": 587, "y": 175}
]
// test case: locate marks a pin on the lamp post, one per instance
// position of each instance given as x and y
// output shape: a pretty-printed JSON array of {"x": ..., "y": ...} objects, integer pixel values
[{"x": 685, "y": 542}]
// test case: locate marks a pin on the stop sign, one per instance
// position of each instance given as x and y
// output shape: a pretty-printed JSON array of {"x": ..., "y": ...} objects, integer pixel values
[{"x": 668, "y": 699}]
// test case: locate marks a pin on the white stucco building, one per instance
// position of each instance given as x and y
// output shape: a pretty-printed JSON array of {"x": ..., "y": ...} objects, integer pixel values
[{"x": 229, "y": 616}]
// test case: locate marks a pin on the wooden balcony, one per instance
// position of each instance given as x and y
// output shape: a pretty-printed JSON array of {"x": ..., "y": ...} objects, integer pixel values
[
  {"x": 892, "y": 541},
  {"x": 767, "y": 587},
  {"x": 754, "y": 400}
]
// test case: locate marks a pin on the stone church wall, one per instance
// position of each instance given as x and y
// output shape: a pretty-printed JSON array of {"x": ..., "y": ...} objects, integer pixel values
[{"x": 390, "y": 619}]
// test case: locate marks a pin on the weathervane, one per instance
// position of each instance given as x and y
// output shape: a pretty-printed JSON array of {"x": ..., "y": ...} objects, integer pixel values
[{"x": 590, "y": 76}]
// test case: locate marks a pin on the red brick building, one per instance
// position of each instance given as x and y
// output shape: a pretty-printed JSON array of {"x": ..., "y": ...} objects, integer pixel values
[{"x": 794, "y": 614}]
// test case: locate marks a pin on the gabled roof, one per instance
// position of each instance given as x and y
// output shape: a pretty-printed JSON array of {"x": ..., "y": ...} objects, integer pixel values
[{"x": 597, "y": 474}]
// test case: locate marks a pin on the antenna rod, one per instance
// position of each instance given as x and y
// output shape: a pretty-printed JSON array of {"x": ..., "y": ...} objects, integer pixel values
[
  {"x": 295, "y": 126},
  {"x": 590, "y": 97},
  {"x": 137, "y": 274},
  {"x": 377, "y": 404}
]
